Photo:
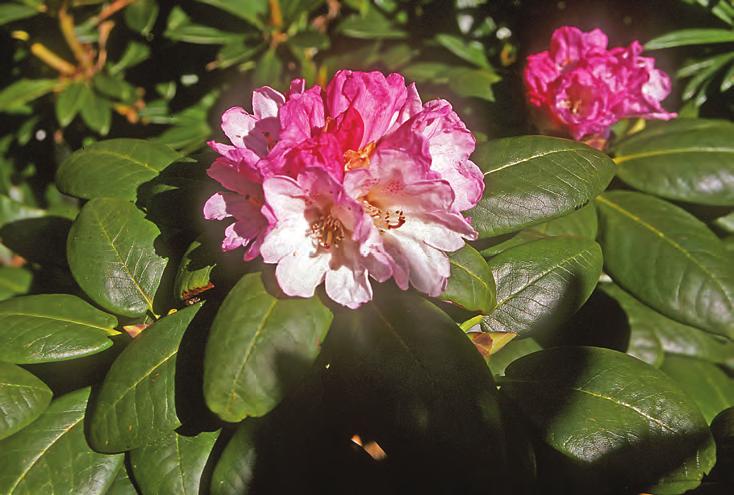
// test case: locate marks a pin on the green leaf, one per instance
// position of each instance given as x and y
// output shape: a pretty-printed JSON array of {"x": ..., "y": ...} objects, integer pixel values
[
  {"x": 122, "y": 484},
  {"x": 114, "y": 87},
  {"x": 13, "y": 98},
  {"x": 405, "y": 375},
  {"x": 235, "y": 468},
  {"x": 533, "y": 179},
  {"x": 14, "y": 281},
  {"x": 371, "y": 26},
  {"x": 268, "y": 69},
  {"x": 726, "y": 223},
  {"x": 473, "y": 82},
  {"x": 23, "y": 398},
  {"x": 11, "y": 211},
  {"x": 137, "y": 401},
  {"x": 194, "y": 272},
  {"x": 723, "y": 429},
  {"x": 581, "y": 223},
  {"x": 70, "y": 101},
  {"x": 52, "y": 327},
  {"x": 471, "y": 285},
  {"x": 516, "y": 349},
  {"x": 174, "y": 465},
  {"x": 667, "y": 259},
  {"x": 643, "y": 322},
  {"x": 134, "y": 54},
  {"x": 672, "y": 337},
  {"x": 52, "y": 454},
  {"x": 258, "y": 347},
  {"x": 140, "y": 16},
  {"x": 541, "y": 284},
  {"x": 113, "y": 253},
  {"x": 619, "y": 421},
  {"x": 688, "y": 37},
  {"x": 705, "y": 383},
  {"x": 96, "y": 112},
  {"x": 685, "y": 160},
  {"x": 114, "y": 168},
  {"x": 252, "y": 11},
  {"x": 470, "y": 51},
  {"x": 180, "y": 28},
  {"x": 11, "y": 12}
]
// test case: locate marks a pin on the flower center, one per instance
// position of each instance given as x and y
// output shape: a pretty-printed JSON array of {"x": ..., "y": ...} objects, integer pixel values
[
  {"x": 327, "y": 231},
  {"x": 358, "y": 159},
  {"x": 384, "y": 219}
]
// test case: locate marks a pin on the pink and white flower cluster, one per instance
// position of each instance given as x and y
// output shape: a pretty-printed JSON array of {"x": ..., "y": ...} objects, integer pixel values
[
  {"x": 359, "y": 181},
  {"x": 585, "y": 88}
]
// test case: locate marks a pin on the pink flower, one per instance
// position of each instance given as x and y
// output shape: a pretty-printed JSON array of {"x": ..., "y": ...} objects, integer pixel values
[
  {"x": 584, "y": 88},
  {"x": 362, "y": 180}
]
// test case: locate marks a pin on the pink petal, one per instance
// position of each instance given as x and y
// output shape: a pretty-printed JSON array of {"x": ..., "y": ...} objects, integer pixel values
[
  {"x": 349, "y": 286},
  {"x": 238, "y": 177},
  {"x": 266, "y": 101},
  {"x": 300, "y": 273},
  {"x": 215, "y": 208},
  {"x": 237, "y": 124}
]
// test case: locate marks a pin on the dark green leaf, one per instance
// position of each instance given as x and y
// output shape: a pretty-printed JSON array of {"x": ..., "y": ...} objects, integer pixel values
[
  {"x": 258, "y": 347},
  {"x": 114, "y": 87},
  {"x": 137, "y": 401},
  {"x": 509, "y": 353},
  {"x": 113, "y": 168},
  {"x": 685, "y": 160},
  {"x": 52, "y": 327},
  {"x": 688, "y": 37},
  {"x": 134, "y": 54},
  {"x": 252, "y": 11},
  {"x": 70, "y": 101},
  {"x": 122, "y": 485},
  {"x": 621, "y": 422},
  {"x": 723, "y": 429},
  {"x": 371, "y": 26},
  {"x": 52, "y": 454},
  {"x": 174, "y": 465},
  {"x": 114, "y": 256},
  {"x": 14, "y": 97},
  {"x": 533, "y": 179},
  {"x": 667, "y": 259},
  {"x": 23, "y": 398},
  {"x": 409, "y": 378},
  {"x": 13, "y": 11},
  {"x": 709, "y": 387},
  {"x": 14, "y": 281},
  {"x": 268, "y": 69},
  {"x": 471, "y": 285},
  {"x": 96, "y": 112},
  {"x": 235, "y": 469},
  {"x": 542, "y": 283}
]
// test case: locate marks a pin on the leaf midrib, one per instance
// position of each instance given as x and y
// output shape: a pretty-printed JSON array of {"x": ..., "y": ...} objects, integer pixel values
[
  {"x": 66, "y": 320},
  {"x": 530, "y": 158},
  {"x": 667, "y": 239},
  {"x": 670, "y": 151}
]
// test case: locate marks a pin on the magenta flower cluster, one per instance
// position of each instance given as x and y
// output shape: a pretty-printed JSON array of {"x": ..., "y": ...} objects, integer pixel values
[
  {"x": 584, "y": 88},
  {"x": 360, "y": 181}
]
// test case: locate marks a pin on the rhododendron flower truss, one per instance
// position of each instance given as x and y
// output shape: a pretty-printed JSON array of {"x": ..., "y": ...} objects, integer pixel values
[
  {"x": 583, "y": 88},
  {"x": 359, "y": 181}
]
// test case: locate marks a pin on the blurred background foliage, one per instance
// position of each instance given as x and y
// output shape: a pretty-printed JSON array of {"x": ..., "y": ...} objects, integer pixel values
[{"x": 75, "y": 71}]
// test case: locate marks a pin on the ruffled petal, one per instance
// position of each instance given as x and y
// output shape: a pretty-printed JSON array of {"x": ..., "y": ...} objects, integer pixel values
[
  {"x": 300, "y": 273},
  {"x": 266, "y": 102}
]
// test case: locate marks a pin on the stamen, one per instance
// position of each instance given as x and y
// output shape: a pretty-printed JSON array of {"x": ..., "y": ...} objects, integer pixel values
[
  {"x": 328, "y": 231},
  {"x": 384, "y": 219},
  {"x": 358, "y": 159}
]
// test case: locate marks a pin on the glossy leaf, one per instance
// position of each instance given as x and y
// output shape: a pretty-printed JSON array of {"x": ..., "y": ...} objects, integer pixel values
[
  {"x": 23, "y": 398},
  {"x": 409, "y": 378},
  {"x": 685, "y": 160},
  {"x": 52, "y": 453},
  {"x": 258, "y": 347},
  {"x": 533, "y": 179},
  {"x": 114, "y": 168},
  {"x": 667, "y": 259},
  {"x": 174, "y": 465},
  {"x": 471, "y": 285},
  {"x": 122, "y": 484},
  {"x": 705, "y": 383},
  {"x": 516, "y": 349},
  {"x": 235, "y": 468},
  {"x": 672, "y": 337},
  {"x": 70, "y": 101},
  {"x": 540, "y": 284},
  {"x": 113, "y": 255},
  {"x": 621, "y": 422},
  {"x": 52, "y": 327},
  {"x": 137, "y": 401},
  {"x": 688, "y": 37}
]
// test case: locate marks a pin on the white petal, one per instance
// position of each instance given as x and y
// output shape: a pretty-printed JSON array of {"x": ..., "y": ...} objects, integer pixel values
[{"x": 301, "y": 272}]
